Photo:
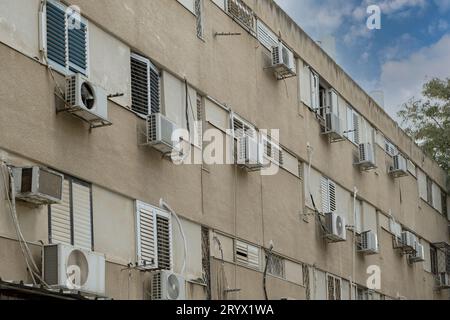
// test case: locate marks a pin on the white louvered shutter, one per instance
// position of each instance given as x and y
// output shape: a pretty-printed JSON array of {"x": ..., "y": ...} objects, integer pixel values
[
  {"x": 145, "y": 86},
  {"x": 78, "y": 55},
  {"x": 146, "y": 236},
  {"x": 325, "y": 195},
  {"x": 56, "y": 34},
  {"x": 60, "y": 218},
  {"x": 82, "y": 223},
  {"x": 422, "y": 184},
  {"x": 267, "y": 38},
  {"x": 240, "y": 128},
  {"x": 314, "y": 91},
  {"x": 305, "y": 86},
  {"x": 247, "y": 255}
]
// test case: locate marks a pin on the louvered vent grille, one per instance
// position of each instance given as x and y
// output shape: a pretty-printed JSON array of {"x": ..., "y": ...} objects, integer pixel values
[
  {"x": 152, "y": 123},
  {"x": 157, "y": 286},
  {"x": 276, "y": 58},
  {"x": 332, "y": 191},
  {"x": 242, "y": 13},
  {"x": 164, "y": 243},
  {"x": 51, "y": 266},
  {"x": 363, "y": 152},
  {"x": 71, "y": 90},
  {"x": 56, "y": 34}
]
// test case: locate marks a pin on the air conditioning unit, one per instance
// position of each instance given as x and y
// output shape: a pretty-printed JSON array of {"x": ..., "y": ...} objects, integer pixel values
[
  {"x": 366, "y": 157},
  {"x": 336, "y": 226},
  {"x": 333, "y": 127},
  {"x": 409, "y": 240},
  {"x": 418, "y": 255},
  {"x": 86, "y": 100},
  {"x": 167, "y": 285},
  {"x": 399, "y": 167},
  {"x": 160, "y": 133},
  {"x": 250, "y": 153},
  {"x": 283, "y": 61},
  {"x": 443, "y": 280},
  {"x": 38, "y": 185},
  {"x": 369, "y": 243},
  {"x": 69, "y": 268}
]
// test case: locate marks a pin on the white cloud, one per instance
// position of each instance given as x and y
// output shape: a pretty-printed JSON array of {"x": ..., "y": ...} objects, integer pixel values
[{"x": 403, "y": 79}]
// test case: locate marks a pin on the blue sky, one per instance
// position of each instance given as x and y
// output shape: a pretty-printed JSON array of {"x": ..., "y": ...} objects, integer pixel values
[{"x": 413, "y": 44}]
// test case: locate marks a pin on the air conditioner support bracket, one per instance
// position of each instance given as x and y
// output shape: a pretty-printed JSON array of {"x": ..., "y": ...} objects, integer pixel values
[{"x": 93, "y": 124}]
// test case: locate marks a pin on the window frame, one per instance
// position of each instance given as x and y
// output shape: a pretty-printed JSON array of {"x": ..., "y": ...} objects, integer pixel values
[{"x": 72, "y": 180}]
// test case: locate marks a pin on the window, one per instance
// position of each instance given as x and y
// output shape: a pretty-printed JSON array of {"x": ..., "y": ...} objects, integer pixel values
[
  {"x": 199, "y": 17},
  {"x": 328, "y": 192},
  {"x": 145, "y": 86},
  {"x": 429, "y": 191},
  {"x": 66, "y": 39},
  {"x": 275, "y": 265},
  {"x": 433, "y": 260},
  {"x": 273, "y": 151},
  {"x": 390, "y": 148},
  {"x": 267, "y": 38},
  {"x": 353, "y": 126},
  {"x": 241, "y": 128},
  {"x": 315, "y": 91},
  {"x": 154, "y": 237},
  {"x": 242, "y": 13},
  {"x": 334, "y": 290},
  {"x": 247, "y": 255},
  {"x": 70, "y": 222},
  {"x": 444, "y": 203}
]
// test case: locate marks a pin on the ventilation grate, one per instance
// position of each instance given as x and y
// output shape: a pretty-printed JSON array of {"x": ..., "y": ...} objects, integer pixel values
[{"x": 164, "y": 243}]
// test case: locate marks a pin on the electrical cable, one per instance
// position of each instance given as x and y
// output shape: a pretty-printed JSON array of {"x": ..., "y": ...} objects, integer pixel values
[{"x": 183, "y": 236}]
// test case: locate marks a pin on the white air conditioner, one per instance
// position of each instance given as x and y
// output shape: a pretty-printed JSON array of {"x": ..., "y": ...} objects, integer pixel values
[
  {"x": 283, "y": 61},
  {"x": 336, "y": 226},
  {"x": 160, "y": 133},
  {"x": 38, "y": 185},
  {"x": 69, "y": 268},
  {"x": 369, "y": 243},
  {"x": 409, "y": 240},
  {"x": 250, "y": 153},
  {"x": 366, "y": 157},
  {"x": 167, "y": 285},
  {"x": 399, "y": 167},
  {"x": 333, "y": 127},
  {"x": 85, "y": 99},
  {"x": 443, "y": 280},
  {"x": 418, "y": 255}
]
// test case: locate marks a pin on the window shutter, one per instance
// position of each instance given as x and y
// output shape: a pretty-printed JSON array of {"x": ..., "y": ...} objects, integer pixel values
[
  {"x": 437, "y": 197},
  {"x": 247, "y": 255},
  {"x": 155, "y": 89},
  {"x": 146, "y": 236},
  {"x": 240, "y": 128},
  {"x": 356, "y": 128},
  {"x": 314, "y": 91},
  {"x": 78, "y": 49},
  {"x": 164, "y": 241},
  {"x": 140, "y": 84},
  {"x": 56, "y": 34},
  {"x": 332, "y": 195},
  {"x": 305, "y": 85},
  {"x": 60, "y": 218},
  {"x": 199, "y": 121},
  {"x": 422, "y": 183},
  {"x": 82, "y": 224},
  {"x": 267, "y": 38},
  {"x": 325, "y": 195}
]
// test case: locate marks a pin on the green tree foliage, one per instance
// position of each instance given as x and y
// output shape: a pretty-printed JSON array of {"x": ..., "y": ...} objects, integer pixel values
[{"x": 428, "y": 121}]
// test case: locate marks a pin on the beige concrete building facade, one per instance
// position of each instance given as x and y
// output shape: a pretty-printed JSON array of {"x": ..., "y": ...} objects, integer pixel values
[{"x": 208, "y": 68}]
